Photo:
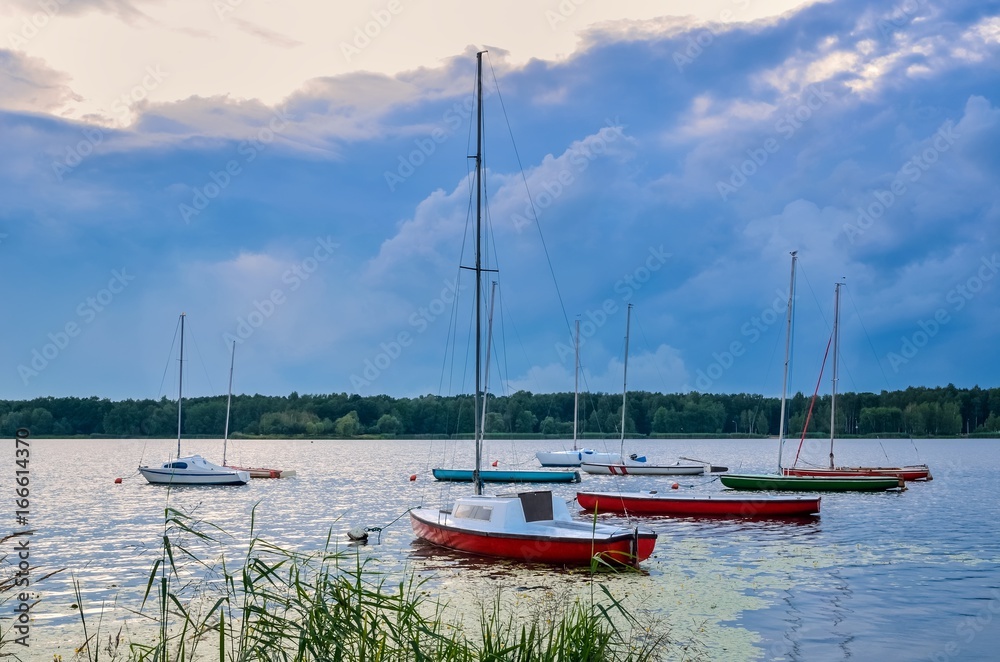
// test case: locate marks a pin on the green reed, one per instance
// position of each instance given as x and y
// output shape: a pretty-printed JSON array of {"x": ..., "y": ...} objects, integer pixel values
[{"x": 284, "y": 606}]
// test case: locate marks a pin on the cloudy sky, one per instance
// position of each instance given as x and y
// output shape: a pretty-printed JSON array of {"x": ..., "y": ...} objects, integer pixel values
[{"x": 294, "y": 176}]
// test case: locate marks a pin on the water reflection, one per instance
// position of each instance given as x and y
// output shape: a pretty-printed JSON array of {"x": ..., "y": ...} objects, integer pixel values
[{"x": 872, "y": 569}]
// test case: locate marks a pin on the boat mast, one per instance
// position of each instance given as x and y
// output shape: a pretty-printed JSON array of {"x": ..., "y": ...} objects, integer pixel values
[
  {"x": 836, "y": 343},
  {"x": 479, "y": 267},
  {"x": 180, "y": 387},
  {"x": 229, "y": 402},
  {"x": 788, "y": 347},
  {"x": 576, "y": 385},
  {"x": 628, "y": 321}
]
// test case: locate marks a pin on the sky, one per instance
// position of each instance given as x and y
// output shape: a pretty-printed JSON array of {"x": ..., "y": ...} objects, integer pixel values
[{"x": 294, "y": 177}]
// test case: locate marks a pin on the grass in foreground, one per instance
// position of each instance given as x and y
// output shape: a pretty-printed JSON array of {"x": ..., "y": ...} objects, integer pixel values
[{"x": 283, "y": 606}]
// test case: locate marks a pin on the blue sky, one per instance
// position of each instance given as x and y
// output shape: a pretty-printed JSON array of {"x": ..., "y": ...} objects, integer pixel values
[{"x": 305, "y": 190}]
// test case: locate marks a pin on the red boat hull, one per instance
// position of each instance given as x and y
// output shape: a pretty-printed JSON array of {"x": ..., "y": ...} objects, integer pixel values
[
  {"x": 915, "y": 472},
  {"x": 626, "y": 549},
  {"x": 706, "y": 505}
]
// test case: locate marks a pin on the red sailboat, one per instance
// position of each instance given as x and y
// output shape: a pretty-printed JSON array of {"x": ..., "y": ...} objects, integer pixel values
[
  {"x": 910, "y": 472},
  {"x": 717, "y": 505},
  {"x": 525, "y": 526}
]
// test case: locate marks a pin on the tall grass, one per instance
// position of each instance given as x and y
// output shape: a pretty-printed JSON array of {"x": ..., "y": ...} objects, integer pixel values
[{"x": 284, "y": 606}]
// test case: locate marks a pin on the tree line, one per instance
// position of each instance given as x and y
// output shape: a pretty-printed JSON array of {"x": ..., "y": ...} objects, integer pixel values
[{"x": 916, "y": 411}]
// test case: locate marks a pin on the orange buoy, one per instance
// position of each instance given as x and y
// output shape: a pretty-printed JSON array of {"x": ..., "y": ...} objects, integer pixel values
[
  {"x": 413, "y": 477},
  {"x": 118, "y": 481},
  {"x": 674, "y": 486}
]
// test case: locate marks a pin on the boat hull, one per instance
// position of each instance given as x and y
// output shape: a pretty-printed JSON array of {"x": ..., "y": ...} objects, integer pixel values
[
  {"x": 573, "y": 459},
  {"x": 627, "y": 548},
  {"x": 912, "y": 472},
  {"x": 629, "y": 469},
  {"x": 193, "y": 470},
  {"x": 508, "y": 476},
  {"x": 810, "y": 483},
  {"x": 718, "y": 505},
  {"x": 165, "y": 477}
]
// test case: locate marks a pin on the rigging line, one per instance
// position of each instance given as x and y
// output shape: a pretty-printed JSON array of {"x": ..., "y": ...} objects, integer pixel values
[
  {"x": 871, "y": 345},
  {"x": 169, "y": 358},
  {"x": 805, "y": 426},
  {"x": 819, "y": 306},
  {"x": 531, "y": 202},
  {"x": 197, "y": 350},
  {"x": 656, "y": 365}
]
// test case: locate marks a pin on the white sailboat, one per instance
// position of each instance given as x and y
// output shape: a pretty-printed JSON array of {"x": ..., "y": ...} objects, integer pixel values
[
  {"x": 577, "y": 456},
  {"x": 533, "y": 526},
  {"x": 192, "y": 469},
  {"x": 629, "y": 466}
]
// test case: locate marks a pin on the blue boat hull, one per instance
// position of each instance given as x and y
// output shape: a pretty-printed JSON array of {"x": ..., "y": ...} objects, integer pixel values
[{"x": 512, "y": 476}]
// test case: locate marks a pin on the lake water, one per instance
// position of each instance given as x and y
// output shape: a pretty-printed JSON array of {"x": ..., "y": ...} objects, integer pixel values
[{"x": 904, "y": 576}]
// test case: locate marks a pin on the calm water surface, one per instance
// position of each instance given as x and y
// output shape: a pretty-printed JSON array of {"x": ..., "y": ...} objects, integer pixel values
[{"x": 908, "y": 576}]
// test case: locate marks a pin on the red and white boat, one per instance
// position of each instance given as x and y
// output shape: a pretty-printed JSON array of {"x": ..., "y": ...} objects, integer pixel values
[
  {"x": 525, "y": 526},
  {"x": 529, "y": 526},
  {"x": 719, "y": 505},
  {"x": 911, "y": 472}
]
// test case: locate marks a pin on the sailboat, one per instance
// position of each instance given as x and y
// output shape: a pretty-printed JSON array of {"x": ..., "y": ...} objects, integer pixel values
[
  {"x": 526, "y": 526},
  {"x": 193, "y": 469},
  {"x": 783, "y": 482},
  {"x": 911, "y": 472},
  {"x": 577, "y": 456},
  {"x": 255, "y": 472},
  {"x": 623, "y": 466},
  {"x": 501, "y": 475}
]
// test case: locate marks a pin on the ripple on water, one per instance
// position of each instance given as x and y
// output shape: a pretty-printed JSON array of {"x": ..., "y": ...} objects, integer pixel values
[{"x": 876, "y": 575}]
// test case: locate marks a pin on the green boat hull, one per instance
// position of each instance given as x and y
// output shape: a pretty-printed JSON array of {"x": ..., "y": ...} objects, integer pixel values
[
  {"x": 508, "y": 476},
  {"x": 810, "y": 483}
]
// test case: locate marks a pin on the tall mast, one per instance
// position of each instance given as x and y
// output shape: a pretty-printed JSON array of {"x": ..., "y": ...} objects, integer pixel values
[
  {"x": 628, "y": 321},
  {"x": 576, "y": 384},
  {"x": 180, "y": 388},
  {"x": 836, "y": 343},
  {"x": 479, "y": 266},
  {"x": 229, "y": 402},
  {"x": 788, "y": 348}
]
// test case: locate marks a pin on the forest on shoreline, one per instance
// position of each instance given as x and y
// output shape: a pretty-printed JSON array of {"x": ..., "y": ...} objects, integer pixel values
[{"x": 917, "y": 412}]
